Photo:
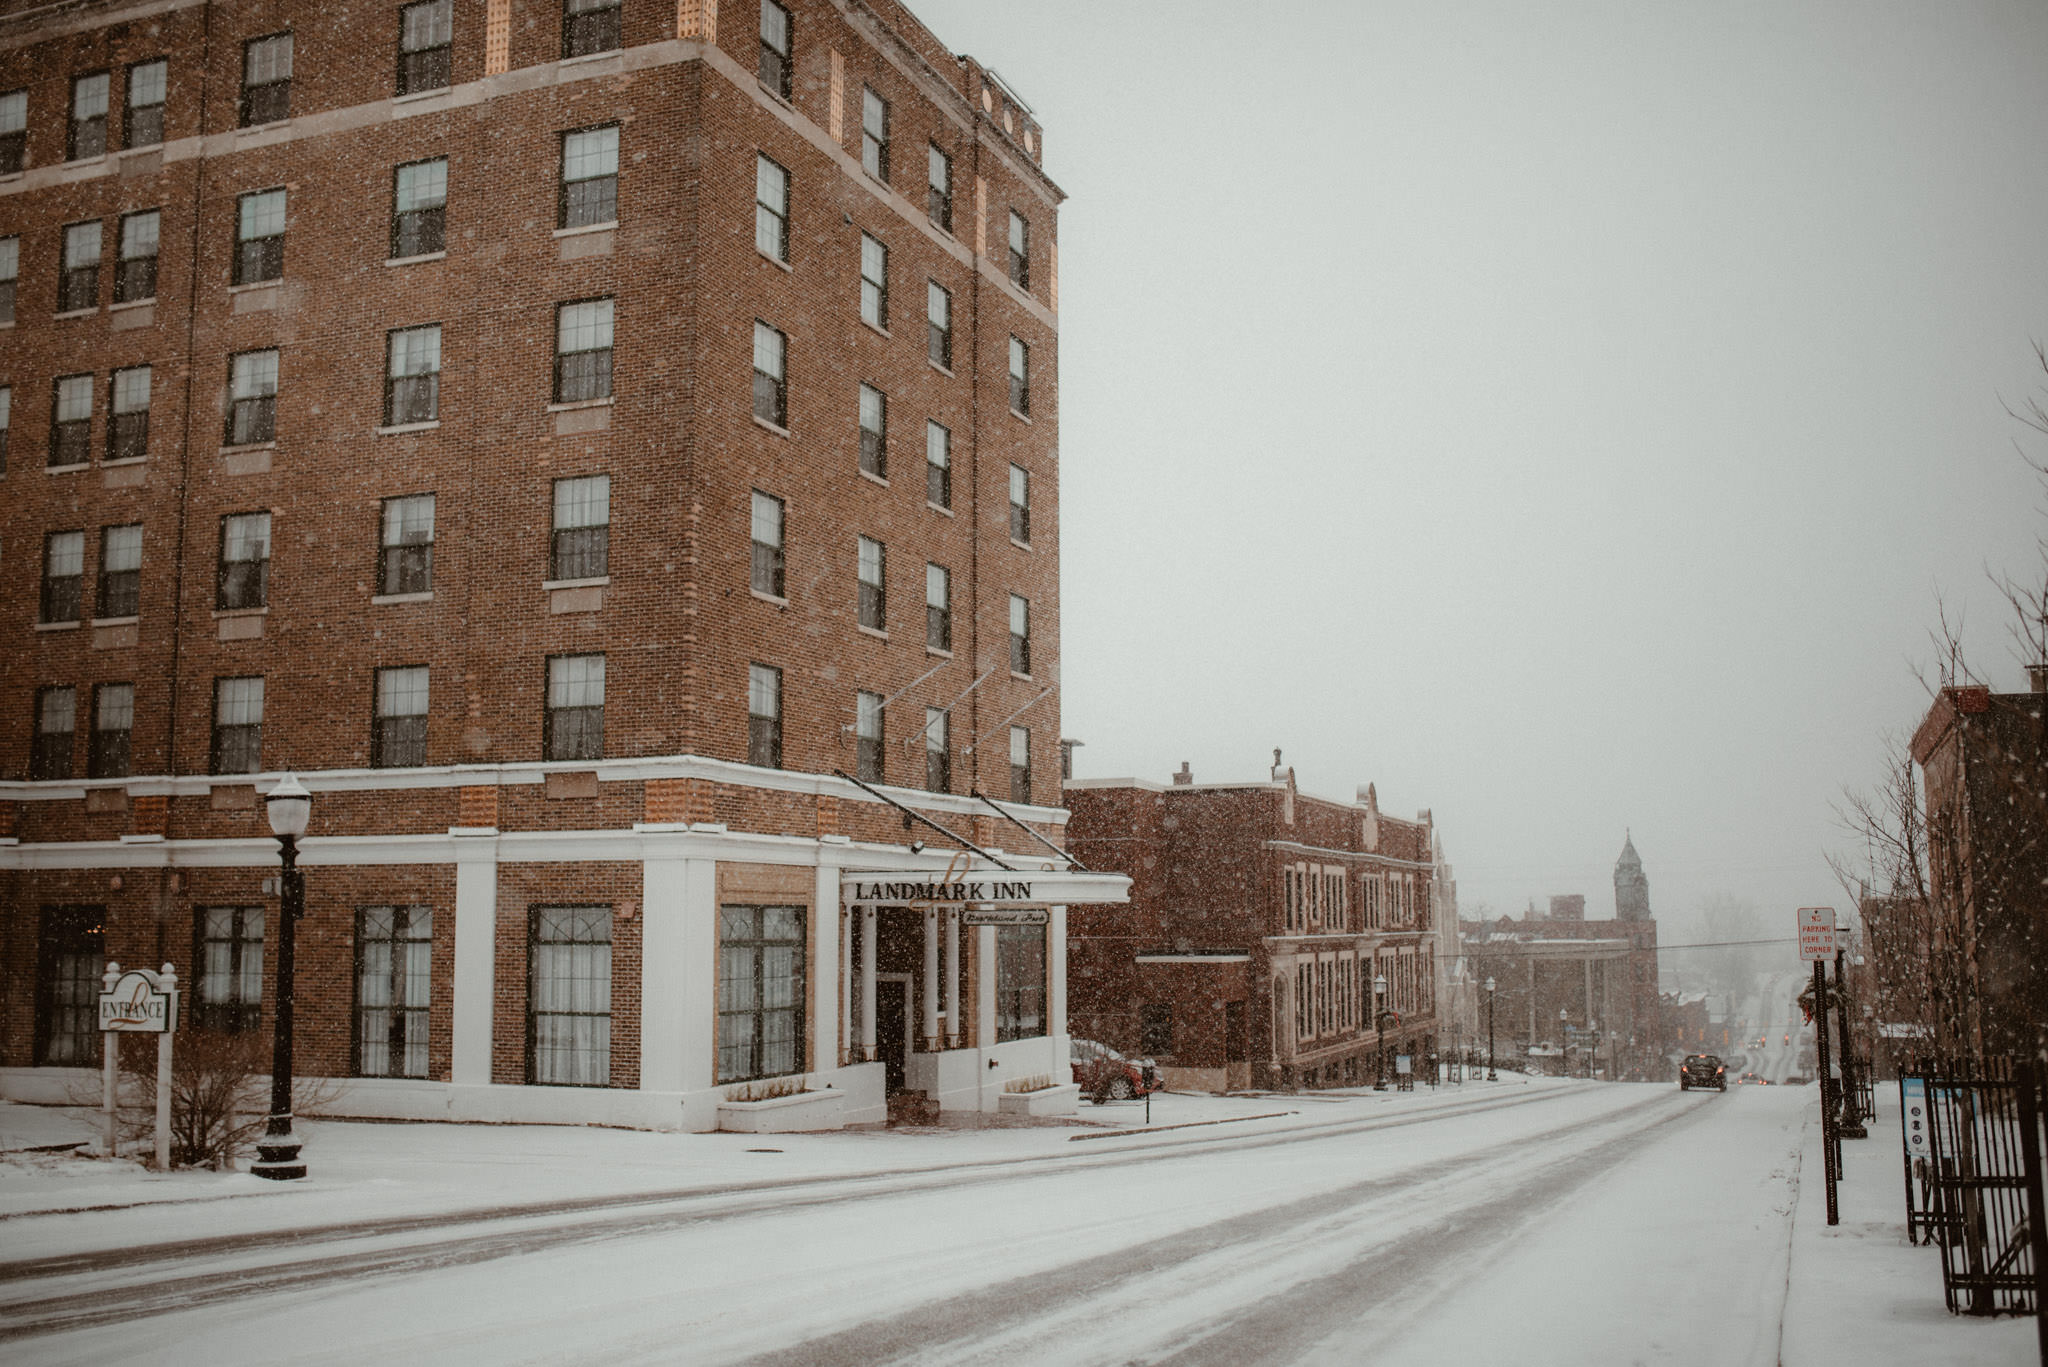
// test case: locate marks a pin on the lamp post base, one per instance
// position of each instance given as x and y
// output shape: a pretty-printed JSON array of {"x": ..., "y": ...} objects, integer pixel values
[{"x": 277, "y": 1157}]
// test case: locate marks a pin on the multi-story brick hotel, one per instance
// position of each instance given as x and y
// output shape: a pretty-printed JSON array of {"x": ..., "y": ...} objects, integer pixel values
[{"x": 608, "y": 450}]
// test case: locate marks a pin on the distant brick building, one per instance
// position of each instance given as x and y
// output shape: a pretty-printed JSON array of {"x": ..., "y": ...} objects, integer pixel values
[
  {"x": 1259, "y": 918},
  {"x": 1576, "y": 992},
  {"x": 513, "y": 416},
  {"x": 1983, "y": 758}
]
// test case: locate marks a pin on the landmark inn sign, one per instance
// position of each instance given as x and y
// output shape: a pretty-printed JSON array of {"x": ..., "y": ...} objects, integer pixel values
[{"x": 917, "y": 888}]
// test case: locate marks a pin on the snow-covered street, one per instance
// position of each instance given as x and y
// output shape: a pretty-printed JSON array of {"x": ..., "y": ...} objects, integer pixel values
[{"x": 1525, "y": 1220}]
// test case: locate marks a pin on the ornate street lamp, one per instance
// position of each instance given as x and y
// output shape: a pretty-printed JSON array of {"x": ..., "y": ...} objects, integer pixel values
[
  {"x": 1564, "y": 1036},
  {"x": 1491, "y": 1075},
  {"x": 1379, "y": 1001},
  {"x": 289, "y": 806}
]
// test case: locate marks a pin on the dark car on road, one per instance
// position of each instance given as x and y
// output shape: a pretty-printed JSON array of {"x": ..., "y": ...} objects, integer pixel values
[{"x": 1702, "y": 1070}]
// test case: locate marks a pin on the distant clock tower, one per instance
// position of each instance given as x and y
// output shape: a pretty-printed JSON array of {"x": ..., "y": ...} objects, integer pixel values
[{"x": 1631, "y": 887}]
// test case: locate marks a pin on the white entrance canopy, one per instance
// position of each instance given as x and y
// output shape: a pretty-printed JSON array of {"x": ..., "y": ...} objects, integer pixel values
[{"x": 982, "y": 887}]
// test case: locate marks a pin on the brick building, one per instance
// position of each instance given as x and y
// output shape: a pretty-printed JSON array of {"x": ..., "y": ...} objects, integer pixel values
[
  {"x": 1575, "y": 994},
  {"x": 1975, "y": 944},
  {"x": 1258, "y": 920},
  {"x": 513, "y": 416}
]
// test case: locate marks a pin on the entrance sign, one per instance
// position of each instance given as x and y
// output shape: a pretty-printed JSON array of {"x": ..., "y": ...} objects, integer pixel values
[
  {"x": 139, "y": 1001},
  {"x": 1005, "y": 916},
  {"x": 1816, "y": 934}
]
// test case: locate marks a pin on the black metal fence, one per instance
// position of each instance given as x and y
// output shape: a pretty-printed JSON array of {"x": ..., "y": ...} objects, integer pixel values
[
  {"x": 1971, "y": 1131},
  {"x": 1864, "y": 1094}
]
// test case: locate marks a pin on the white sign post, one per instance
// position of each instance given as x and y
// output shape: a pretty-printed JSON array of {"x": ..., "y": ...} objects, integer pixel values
[
  {"x": 139, "y": 1001},
  {"x": 1817, "y": 946}
]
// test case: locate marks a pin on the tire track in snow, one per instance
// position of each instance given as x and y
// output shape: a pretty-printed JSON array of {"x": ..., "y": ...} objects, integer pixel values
[{"x": 1211, "y": 1288}]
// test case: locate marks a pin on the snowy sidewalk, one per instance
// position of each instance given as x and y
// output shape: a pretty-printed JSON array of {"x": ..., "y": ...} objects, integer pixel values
[{"x": 1859, "y": 1293}]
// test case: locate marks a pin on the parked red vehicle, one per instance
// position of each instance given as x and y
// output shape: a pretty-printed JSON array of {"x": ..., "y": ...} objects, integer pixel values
[{"x": 1128, "y": 1077}]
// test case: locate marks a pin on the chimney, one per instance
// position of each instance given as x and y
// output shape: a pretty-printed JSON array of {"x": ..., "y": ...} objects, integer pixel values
[
  {"x": 2037, "y": 677},
  {"x": 1185, "y": 777}
]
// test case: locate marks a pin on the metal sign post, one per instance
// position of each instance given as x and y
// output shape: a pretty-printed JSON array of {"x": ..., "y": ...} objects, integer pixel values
[
  {"x": 139, "y": 1001},
  {"x": 1817, "y": 946}
]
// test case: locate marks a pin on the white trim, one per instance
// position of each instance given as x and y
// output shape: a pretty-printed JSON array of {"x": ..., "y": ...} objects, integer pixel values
[
  {"x": 706, "y": 842},
  {"x": 1366, "y": 855},
  {"x": 1194, "y": 958},
  {"x": 515, "y": 774}
]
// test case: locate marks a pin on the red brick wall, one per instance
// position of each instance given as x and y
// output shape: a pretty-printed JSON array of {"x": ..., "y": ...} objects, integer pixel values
[{"x": 678, "y": 624}]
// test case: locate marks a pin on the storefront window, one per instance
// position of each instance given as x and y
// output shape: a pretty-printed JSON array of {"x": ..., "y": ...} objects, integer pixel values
[
  {"x": 569, "y": 1025},
  {"x": 760, "y": 992},
  {"x": 1020, "y": 982}
]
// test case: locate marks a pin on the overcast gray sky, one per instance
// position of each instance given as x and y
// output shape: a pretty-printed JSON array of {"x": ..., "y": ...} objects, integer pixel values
[{"x": 1562, "y": 416}]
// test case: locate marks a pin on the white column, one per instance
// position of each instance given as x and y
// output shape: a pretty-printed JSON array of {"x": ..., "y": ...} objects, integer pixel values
[
  {"x": 1056, "y": 974},
  {"x": 952, "y": 977},
  {"x": 985, "y": 1007},
  {"x": 867, "y": 984},
  {"x": 828, "y": 1002},
  {"x": 476, "y": 947},
  {"x": 664, "y": 966},
  {"x": 931, "y": 979},
  {"x": 696, "y": 984},
  {"x": 846, "y": 1046}
]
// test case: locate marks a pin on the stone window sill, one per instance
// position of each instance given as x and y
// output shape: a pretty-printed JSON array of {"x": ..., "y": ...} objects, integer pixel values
[
  {"x": 78, "y": 313},
  {"x": 127, "y": 621},
  {"x": 778, "y": 601},
  {"x": 1020, "y": 545},
  {"x": 768, "y": 426},
  {"x": 403, "y": 427},
  {"x": 875, "y": 478},
  {"x": 605, "y": 402},
  {"x": 938, "y": 508},
  {"x": 550, "y": 585},
  {"x": 605, "y": 227},
  {"x": 942, "y": 654},
  {"x": 263, "y": 611},
  {"x": 416, "y": 260},
  {"x": 941, "y": 369},
  {"x": 58, "y": 626},
  {"x": 380, "y": 599},
  {"x": 878, "y": 633},
  {"x": 124, "y": 460},
  {"x": 775, "y": 261},
  {"x": 416, "y": 96},
  {"x": 120, "y": 304},
  {"x": 65, "y": 469},
  {"x": 874, "y": 328},
  {"x": 250, "y": 446},
  {"x": 248, "y": 285},
  {"x": 1020, "y": 417}
]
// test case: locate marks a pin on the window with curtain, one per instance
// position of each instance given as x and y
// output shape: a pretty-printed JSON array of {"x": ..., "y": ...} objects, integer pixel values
[{"x": 569, "y": 996}]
